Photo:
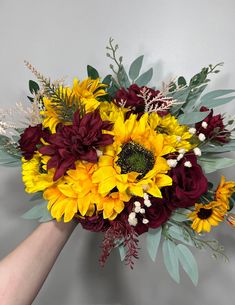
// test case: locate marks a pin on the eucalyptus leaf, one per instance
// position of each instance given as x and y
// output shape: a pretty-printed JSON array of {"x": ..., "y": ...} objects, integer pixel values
[
  {"x": 188, "y": 262},
  {"x": 218, "y": 149},
  {"x": 180, "y": 215},
  {"x": 39, "y": 212},
  {"x": 192, "y": 117},
  {"x": 212, "y": 103},
  {"x": 152, "y": 241},
  {"x": 135, "y": 67},
  {"x": 171, "y": 259},
  {"x": 215, "y": 94},
  {"x": 178, "y": 233},
  {"x": 123, "y": 78},
  {"x": 122, "y": 252},
  {"x": 213, "y": 164},
  {"x": 36, "y": 196},
  {"x": 144, "y": 78},
  {"x": 92, "y": 72}
]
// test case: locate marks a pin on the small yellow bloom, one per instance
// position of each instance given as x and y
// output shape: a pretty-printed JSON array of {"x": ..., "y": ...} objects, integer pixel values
[
  {"x": 35, "y": 175},
  {"x": 206, "y": 215},
  {"x": 224, "y": 191}
]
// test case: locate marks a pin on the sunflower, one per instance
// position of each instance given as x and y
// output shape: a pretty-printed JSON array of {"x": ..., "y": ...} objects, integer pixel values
[
  {"x": 224, "y": 191},
  {"x": 35, "y": 175},
  {"x": 86, "y": 92},
  {"x": 175, "y": 135},
  {"x": 134, "y": 163},
  {"x": 77, "y": 195},
  {"x": 206, "y": 215}
]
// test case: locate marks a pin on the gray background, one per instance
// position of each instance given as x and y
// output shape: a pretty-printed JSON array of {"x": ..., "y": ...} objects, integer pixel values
[{"x": 60, "y": 38}]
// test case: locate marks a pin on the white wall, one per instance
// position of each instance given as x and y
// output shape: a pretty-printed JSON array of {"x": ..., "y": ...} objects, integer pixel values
[{"x": 60, "y": 38}]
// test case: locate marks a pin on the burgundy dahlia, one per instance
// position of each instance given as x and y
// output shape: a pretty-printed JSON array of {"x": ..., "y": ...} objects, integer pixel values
[
  {"x": 30, "y": 139},
  {"x": 213, "y": 127},
  {"x": 132, "y": 97},
  {"x": 189, "y": 183},
  {"x": 78, "y": 141},
  {"x": 95, "y": 223}
]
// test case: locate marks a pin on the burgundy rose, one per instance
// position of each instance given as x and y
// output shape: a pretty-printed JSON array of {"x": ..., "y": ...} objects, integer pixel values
[
  {"x": 156, "y": 215},
  {"x": 189, "y": 183},
  {"x": 78, "y": 141},
  {"x": 132, "y": 97},
  {"x": 30, "y": 139},
  {"x": 94, "y": 223},
  {"x": 213, "y": 127}
]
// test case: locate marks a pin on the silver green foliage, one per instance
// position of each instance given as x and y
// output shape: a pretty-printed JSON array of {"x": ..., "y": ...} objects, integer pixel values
[{"x": 39, "y": 211}]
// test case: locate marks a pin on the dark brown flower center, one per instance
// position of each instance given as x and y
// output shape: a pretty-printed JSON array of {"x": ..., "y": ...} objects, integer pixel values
[
  {"x": 204, "y": 213},
  {"x": 135, "y": 158}
]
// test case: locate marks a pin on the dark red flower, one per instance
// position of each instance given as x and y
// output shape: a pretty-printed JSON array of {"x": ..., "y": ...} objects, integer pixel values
[
  {"x": 30, "y": 139},
  {"x": 214, "y": 127},
  {"x": 78, "y": 141},
  {"x": 132, "y": 97},
  {"x": 189, "y": 183},
  {"x": 157, "y": 214},
  {"x": 95, "y": 223}
]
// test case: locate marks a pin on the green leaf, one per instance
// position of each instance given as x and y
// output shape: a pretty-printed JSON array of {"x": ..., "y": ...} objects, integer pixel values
[
  {"x": 144, "y": 78},
  {"x": 218, "y": 102},
  {"x": 33, "y": 87},
  {"x": 193, "y": 97},
  {"x": 152, "y": 241},
  {"x": 135, "y": 67},
  {"x": 122, "y": 252},
  {"x": 178, "y": 233},
  {"x": 123, "y": 78},
  {"x": 182, "y": 81},
  {"x": 231, "y": 202},
  {"x": 107, "y": 80},
  {"x": 218, "y": 149},
  {"x": 213, "y": 164},
  {"x": 215, "y": 94},
  {"x": 192, "y": 117},
  {"x": 180, "y": 215},
  {"x": 36, "y": 196},
  {"x": 171, "y": 259},
  {"x": 92, "y": 72},
  {"x": 39, "y": 212},
  {"x": 188, "y": 262}
]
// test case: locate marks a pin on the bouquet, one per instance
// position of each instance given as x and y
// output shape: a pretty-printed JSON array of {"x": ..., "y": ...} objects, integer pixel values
[{"x": 124, "y": 158}]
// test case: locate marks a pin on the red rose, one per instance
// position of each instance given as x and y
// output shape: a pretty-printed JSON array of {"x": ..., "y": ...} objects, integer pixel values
[
  {"x": 95, "y": 223},
  {"x": 214, "y": 128},
  {"x": 189, "y": 183},
  {"x": 29, "y": 140}
]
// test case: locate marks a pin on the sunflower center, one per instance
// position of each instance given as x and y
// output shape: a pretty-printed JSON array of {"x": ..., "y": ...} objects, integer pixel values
[
  {"x": 204, "y": 213},
  {"x": 135, "y": 158}
]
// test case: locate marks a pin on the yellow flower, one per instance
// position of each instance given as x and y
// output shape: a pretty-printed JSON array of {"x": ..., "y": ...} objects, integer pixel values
[
  {"x": 175, "y": 135},
  {"x": 206, "y": 215},
  {"x": 76, "y": 194},
  {"x": 224, "y": 191},
  {"x": 35, "y": 175},
  {"x": 88, "y": 91},
  {"x": 85, "y": 92},
  {"x": 133, "y": 163},
  {"x": 110, "y": 112}
]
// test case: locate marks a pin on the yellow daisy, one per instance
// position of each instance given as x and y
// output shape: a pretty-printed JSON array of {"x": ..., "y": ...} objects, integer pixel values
[
  {"x": 133, "y": 163},
  {"x": 224, "y": 191},
  {"x": 206, "y": 215},
  {"x": 35, "y": 175}
]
